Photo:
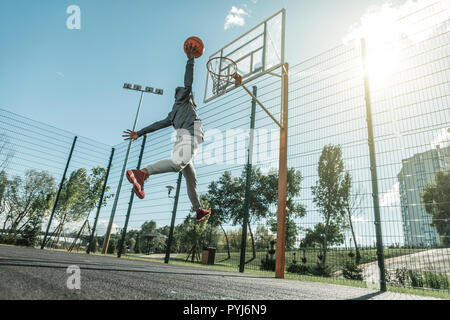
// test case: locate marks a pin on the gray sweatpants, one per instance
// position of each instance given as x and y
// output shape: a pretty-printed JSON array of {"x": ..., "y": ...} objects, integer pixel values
[{"x": 183, "y": 152}]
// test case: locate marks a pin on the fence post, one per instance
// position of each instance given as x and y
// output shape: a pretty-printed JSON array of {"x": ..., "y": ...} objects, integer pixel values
[
  {"x": 373, "y": 169},
  {"x": 174, "y": 214},
  {"x": 130, "y": 203},
  {"x": 100, "y": 202},
  {"x": 59, "y": 193},
  {"x": 248, "y": 183}
]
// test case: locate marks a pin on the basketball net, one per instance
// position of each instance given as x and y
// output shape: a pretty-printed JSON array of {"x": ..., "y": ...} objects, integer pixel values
[{"x": 223, "y": 72}]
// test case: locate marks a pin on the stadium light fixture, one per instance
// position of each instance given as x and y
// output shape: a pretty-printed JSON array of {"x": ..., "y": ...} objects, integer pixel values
[
  {"x": 137, "y": 87},
  {"x": 169, "y": 190}
]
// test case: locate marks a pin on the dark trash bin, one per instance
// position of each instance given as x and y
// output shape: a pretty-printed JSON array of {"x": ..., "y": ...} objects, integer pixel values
[{"x": 208, "y": 256}]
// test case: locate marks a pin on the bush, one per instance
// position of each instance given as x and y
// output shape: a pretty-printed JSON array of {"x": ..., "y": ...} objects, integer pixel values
[
  {"x": 112, "y": 246},
  {"x": 436, "y": 280},
  {"x": 352, "y": 272},
  {"x": 267, "y": 264},
  {"x": 321, "y": 270},
  {"x": 401, "y": 276},
  {"x": 429, "y": 280},
  {"x": 298, "y": 268},
  {"x": 93, "y": 245},
  {"x": 416, "y": 279},
  {"x": 8, "y": 239}
]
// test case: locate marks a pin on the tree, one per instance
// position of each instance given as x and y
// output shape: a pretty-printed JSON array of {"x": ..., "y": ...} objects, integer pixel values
[
  {"x": 436, "y": 197},
  {"x": 6, "y": 151},
  {"x": 191, "y": 236},
  {"x": 223, "y": 201},
  {"x": 330, "y": 192},
  {"x": 26, "y": 199},
  {"x": 228, "y": 194},
  {"x": 315, "y": 237},
  {"x": 93, "y": 245},
  {"x": 31, "y": 231},
  {"x": 79, "y": 196},
  {"x": 293, "y": 208},
  {"x": 262, "y": 237},
  {"x": 147, "y": 228},
  {"x": 352, "y": 206},
  {"x": 3, "y": 185},
  {"x": 291, "y": 231},
  {"x": 132, "y": 243}
]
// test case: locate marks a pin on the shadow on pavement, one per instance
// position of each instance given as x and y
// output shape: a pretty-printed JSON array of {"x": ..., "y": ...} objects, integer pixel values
[
  {"x": 368, "y": 296},
  {"x": 82, "y": 267}
]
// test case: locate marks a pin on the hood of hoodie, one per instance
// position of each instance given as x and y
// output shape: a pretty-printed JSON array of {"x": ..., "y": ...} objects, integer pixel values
[{"x": 181, "y": 94}]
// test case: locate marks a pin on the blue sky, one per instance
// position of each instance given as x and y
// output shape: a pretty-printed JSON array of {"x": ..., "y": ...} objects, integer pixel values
[{"x": 73, "y": 79}]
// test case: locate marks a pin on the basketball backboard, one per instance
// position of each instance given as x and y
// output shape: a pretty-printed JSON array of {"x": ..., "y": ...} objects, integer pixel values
[{"x": 257, "y": 52}]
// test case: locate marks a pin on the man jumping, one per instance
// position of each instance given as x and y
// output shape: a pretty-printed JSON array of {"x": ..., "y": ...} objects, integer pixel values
[{"x": 183, "y": 118}]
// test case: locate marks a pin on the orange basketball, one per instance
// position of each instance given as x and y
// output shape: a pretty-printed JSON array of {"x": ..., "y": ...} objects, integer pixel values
[{"x": 195, "y": 41}]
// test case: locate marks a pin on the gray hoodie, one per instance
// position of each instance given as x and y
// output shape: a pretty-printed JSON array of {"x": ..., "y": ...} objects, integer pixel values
[{"x": 183, "y": 116}]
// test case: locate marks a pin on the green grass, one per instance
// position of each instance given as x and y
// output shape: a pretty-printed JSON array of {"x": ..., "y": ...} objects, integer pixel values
[{"x": 335, "y": 258}]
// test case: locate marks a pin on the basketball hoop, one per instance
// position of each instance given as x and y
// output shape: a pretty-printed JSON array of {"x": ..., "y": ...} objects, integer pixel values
[{"x": 223, "y": 71}]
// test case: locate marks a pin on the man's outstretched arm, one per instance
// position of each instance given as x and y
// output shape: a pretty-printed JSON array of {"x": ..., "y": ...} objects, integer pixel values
[
  {"x": 189, "y": 75},
  {"x": 167, "y": 122}
]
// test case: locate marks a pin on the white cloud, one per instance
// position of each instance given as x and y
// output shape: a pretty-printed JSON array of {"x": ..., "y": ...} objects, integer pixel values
[
  {"x": 236, "y": 17},
  {"x": 391, "y": 197},
  {"x": 102, "y": 226},
  {"x": 60, "y": 74},
  {"x": 442, "y": 139}
]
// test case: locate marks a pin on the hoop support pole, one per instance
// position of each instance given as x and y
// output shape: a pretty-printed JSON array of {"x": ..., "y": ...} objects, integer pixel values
[{"x": 282, "y": 178}]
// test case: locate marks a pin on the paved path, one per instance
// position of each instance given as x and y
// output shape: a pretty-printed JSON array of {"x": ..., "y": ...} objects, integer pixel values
[
  {"x": 434, "y": 260},
  {"x": 36, "y": 274}
]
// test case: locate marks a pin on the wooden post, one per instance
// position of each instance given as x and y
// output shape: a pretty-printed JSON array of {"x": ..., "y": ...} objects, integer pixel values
[{"x": 282, "y": 178}]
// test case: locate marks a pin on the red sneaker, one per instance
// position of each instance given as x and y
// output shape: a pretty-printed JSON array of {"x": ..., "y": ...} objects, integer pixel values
[
  {"x": 137, "y": 178},
  {"x": 202, "y": 214}
]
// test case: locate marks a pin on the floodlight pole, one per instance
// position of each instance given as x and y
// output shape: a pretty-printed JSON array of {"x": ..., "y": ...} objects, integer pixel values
[
  {"x": 282, "y": 177},
  {"x": 130, "y": 204},
  {"x": 116, "y": 200}
]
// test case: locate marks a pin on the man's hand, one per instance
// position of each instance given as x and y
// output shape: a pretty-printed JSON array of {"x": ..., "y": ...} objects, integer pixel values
[
  {"x": 130, "y": 135},
  {"x": 190, "y": 51}
]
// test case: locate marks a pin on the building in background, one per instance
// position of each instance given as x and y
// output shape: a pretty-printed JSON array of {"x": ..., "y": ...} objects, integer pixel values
[{"x": 416, "y": 172}]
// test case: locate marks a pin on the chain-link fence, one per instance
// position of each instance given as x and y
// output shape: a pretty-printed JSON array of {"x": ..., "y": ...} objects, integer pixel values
[{"x": 332, "y": 206}]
